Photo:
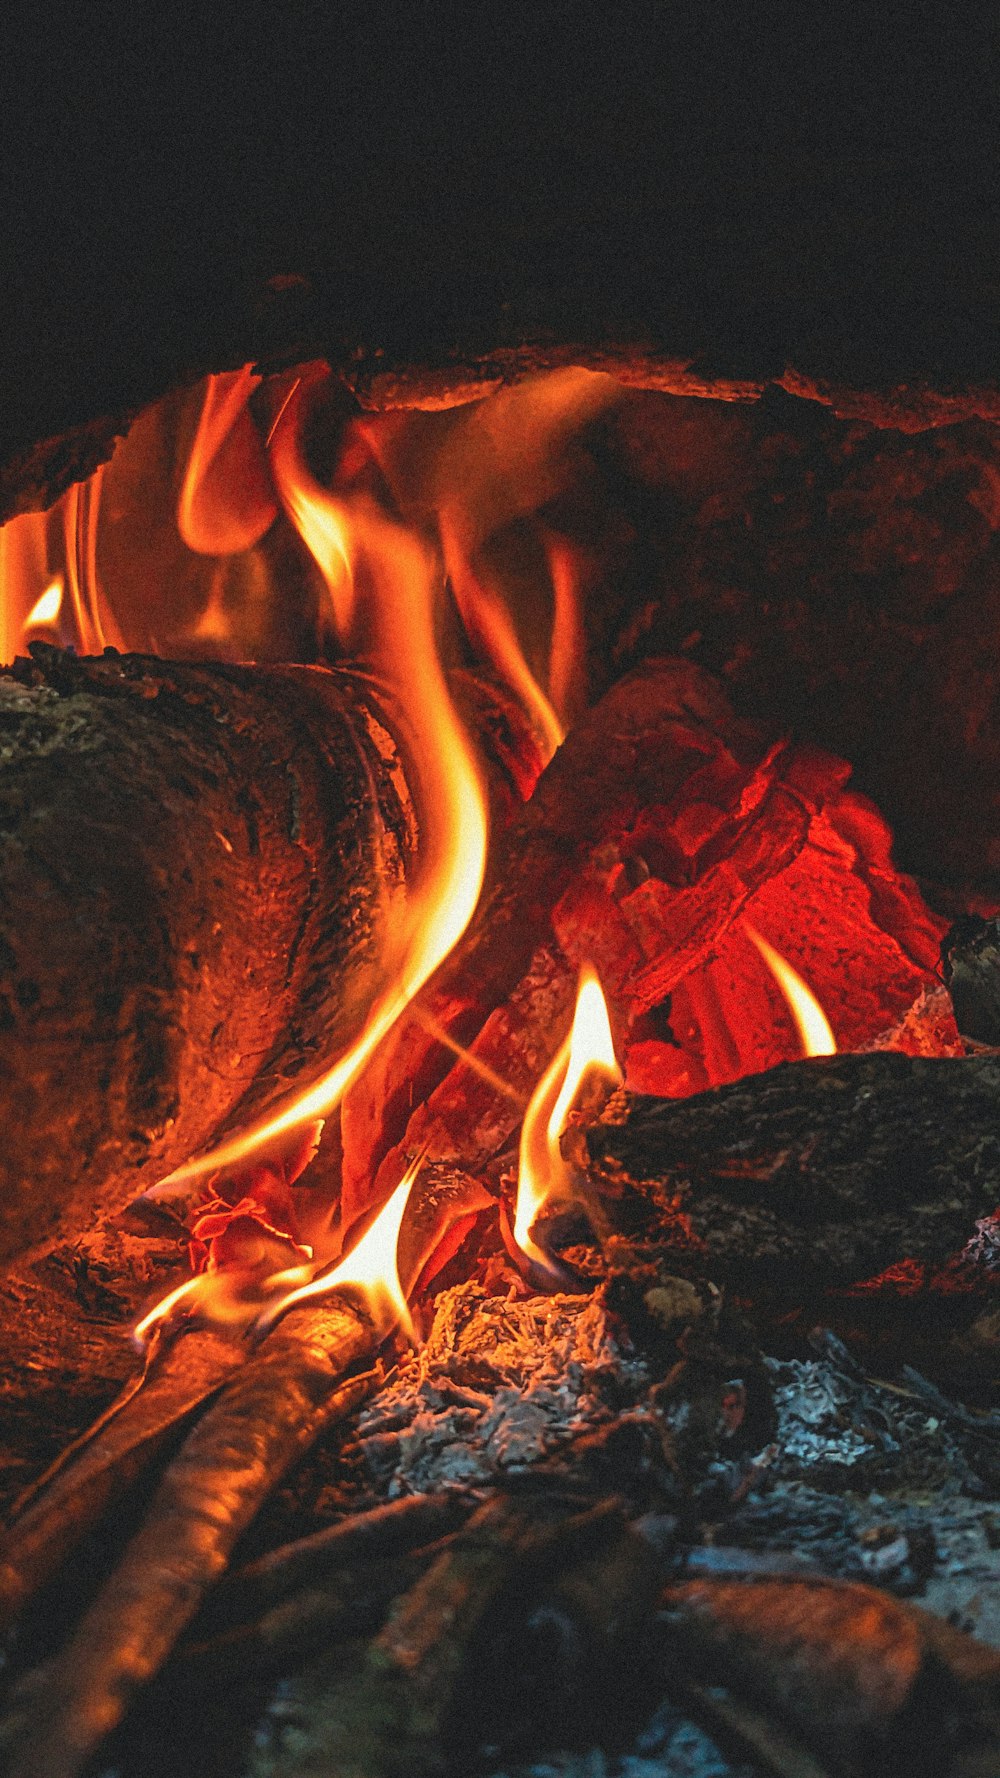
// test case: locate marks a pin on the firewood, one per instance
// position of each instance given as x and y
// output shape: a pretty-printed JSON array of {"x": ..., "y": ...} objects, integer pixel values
[
  {"x": 266, "y": 1419},
  {"x": 862, "y": 1677},
  {"x": 813, "y": 1173},
  {"x": 460, "y": 1657},
  {"x": 93, "y": 1474},
  {"x": 199, "y": 867},
  {"x": 377, "y": 1535}
]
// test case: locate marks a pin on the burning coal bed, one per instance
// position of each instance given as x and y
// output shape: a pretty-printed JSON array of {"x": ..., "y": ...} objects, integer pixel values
[{"x": 502, "y": 1178}]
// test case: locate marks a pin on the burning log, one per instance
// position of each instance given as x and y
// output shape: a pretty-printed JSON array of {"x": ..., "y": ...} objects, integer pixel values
[
  {"x": 268, "y": 1417},
  {"x": 815, "y": 1173},
  {"x": 199, "y": 871}
]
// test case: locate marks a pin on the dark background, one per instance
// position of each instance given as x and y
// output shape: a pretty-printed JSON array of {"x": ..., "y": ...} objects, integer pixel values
[{"x": 735, "y": 176}]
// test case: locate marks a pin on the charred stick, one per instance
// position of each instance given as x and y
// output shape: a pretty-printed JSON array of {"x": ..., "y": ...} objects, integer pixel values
[
  {"x": 93, "y": 1474},
  {"x": 272, "y": 1411},
  {"x": 813, "y": 1173},
  {"x": 379, "y": 1535}
]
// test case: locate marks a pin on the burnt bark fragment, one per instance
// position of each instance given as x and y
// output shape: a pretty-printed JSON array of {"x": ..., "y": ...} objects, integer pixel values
[
  {"x": 815, "y": 1173},
  {"x": 970, "y": 958}
]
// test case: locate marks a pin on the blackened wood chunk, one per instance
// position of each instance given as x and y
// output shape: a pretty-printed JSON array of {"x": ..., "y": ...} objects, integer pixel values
[
  {"x": 816, "y": 1172},
  {"x": 970, "y": 959}
]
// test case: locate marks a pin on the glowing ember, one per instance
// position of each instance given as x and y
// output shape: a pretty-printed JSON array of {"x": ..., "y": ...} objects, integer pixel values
[
  {"x": 811, "y": 1021},
  {"x": 370, "y": 1267},
  {"x": 586, "y": 1058}
]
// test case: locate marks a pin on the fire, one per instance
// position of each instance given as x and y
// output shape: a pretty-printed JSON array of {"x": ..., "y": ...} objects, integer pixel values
[
  {"x": 369, "y": 1267},
  {"x": 586, "y": 1058},
  {"x": 44, "y": 614},
  {"x": 383, "y": 586},
  {"x": 227, "y": 500},
  {"x": 811, "y": 1022}
]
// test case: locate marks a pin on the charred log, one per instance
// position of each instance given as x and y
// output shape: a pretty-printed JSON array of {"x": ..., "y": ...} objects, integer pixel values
[
  {"x": 815, "y": 1173},
  {"x": 198, "y": 870}
]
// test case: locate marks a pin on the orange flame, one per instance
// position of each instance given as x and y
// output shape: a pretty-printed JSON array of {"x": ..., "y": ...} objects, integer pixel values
[
  {"x": 44, "y": 614},
  {"x": 357, "y": 549},
  {"x": 489, "y": 625},
  {"x": 226, "y": 501},
  {"x": 370, "y": 1267},
  {"x": 587, "y": 1056},
  {"x": 811, "y": 1022}
]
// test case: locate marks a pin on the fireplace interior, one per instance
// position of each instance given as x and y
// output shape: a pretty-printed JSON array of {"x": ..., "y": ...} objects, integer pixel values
[{"x": 500, "y": 907}]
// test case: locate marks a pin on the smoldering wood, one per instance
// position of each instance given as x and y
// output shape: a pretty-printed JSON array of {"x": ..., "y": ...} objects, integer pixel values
[
  {"x": 271, "y": 1413},
  {"x": 814, "y": 1173}
]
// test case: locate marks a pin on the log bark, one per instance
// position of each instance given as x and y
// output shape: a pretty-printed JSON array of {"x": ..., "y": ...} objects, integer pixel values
[
  {"x": 199, "y": 868},
  {"x": 814, "y": 1173}
]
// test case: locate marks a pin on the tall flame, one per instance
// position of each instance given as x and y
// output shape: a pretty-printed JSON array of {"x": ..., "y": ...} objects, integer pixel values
[
  {"x": 811, "y": 1022},
  {"x": 586, "y": 1057},
  {"x": 382, "y": 583}
]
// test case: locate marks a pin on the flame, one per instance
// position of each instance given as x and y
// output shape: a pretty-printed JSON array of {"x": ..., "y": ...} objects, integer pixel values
[
  {"x": 490, "y": 626},
  {"x": 44, "y": 614},
  {"x": 226, "y": 500},
  {"x": 566, "y": 650},
  {"x": 359, "y": 550},
  {"x": 811, "y": 1021},
  {"x": 586, "y": 1057},
  {"x": 370, "y": 1267},
  {"x": 25, "y": 580}
]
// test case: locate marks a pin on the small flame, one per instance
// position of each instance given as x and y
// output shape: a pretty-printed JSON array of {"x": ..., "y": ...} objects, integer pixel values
[
  {"x": 586, "y": 1057},
  {"x": 567, "y": 650},
  {"x": 44, "y": 613},
  {"x": 811, "y": 1021},
  {"x": 370, "y": 1266},
  {"x": 226, "y": 500}
]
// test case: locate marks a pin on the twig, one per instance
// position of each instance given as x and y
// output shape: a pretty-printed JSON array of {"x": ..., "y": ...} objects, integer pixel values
[
  {"x": 267, "y": 1418},
  {"x": 55, "y": 1514}
]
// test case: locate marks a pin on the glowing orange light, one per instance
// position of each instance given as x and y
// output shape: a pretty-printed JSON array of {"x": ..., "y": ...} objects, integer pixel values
[
  {"x": 587, "y": 1055},
  {"x": 226, "y": 500},
  {"x": 566, "y": 651},
  {"x": 370, "y": 1266},
  {"x": 44, "y": 613},
  {"x": 811, "y": 1022},
  {"x": 395, "y": 627},
  {"x": 24, "y": 578}
]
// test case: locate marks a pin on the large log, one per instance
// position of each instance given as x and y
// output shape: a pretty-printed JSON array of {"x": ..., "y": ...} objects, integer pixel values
[{"x": 197, "y": 866}]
